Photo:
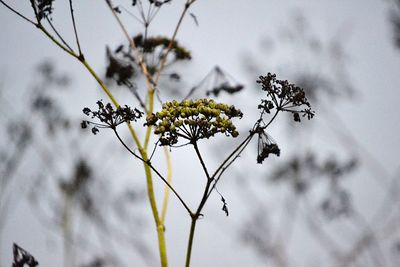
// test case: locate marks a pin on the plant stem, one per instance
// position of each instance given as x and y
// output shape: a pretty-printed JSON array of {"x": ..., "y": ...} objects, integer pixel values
[
  {"x": 196, "y": 148},
  {"x": 171, "y": 43},
  {"x": 146, "y": 162},
  {"x": 140, "y": 58},
  {"x": 150, "y": 93},
  {"x": 75, "y": 31},
  {"x": 169, "y": 178},
  {"x": 159, "y": 225},
  {"x": 17, "y": 13},
  {"x": 58, "y": 34},
  {"x": 66, "y": 49},
  {"x": 190, "y": 242},
  {"x": 196, "y": 216},
  {"x": 149, "y": 178}
]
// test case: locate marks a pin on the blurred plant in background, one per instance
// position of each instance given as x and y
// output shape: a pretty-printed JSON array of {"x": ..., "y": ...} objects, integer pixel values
[
  {"x": 44, "y": 164},
  {"x": 317, "y": 203},
  {"x": 192, "y": 120},
  {"x": 304, "y": 201}
]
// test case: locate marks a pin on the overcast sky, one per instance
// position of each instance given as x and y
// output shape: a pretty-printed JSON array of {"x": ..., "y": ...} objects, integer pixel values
[{"x": 227, "y": 30}]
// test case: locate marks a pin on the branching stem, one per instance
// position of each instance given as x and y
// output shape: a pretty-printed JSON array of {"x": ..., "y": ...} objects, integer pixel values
[
  {"x": 148, "y": 163},
  {"x": 167, "y": 189},
  {"x": 75, "y": 31},
  {"x": 18, "y": 13},
  {"x": 58, "y": 34},
  {"x": 196, "y": 148}
]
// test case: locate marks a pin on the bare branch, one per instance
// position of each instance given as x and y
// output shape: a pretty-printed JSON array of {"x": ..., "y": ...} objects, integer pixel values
[
  {"x": 18, "y": 14},
  {"x": 75, "y": 31}
]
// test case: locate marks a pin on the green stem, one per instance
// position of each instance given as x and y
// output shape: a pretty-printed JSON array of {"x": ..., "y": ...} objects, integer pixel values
[
  {"x": 148, "y": 163},
  {"x": 17, "y": 13},
  {"x": 149, "y": 178},
  {"x": 162, "y": 247},
  {"x": 190, "y": 242},
  {"x": 167, "y": 189},
  {"x": 150, "y": 93},
  {"x": 75, "y": 31},
  {"x": 55, "y": 41}
]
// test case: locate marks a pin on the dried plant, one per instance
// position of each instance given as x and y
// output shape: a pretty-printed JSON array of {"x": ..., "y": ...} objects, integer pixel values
[{"x": 191, "y": 120}]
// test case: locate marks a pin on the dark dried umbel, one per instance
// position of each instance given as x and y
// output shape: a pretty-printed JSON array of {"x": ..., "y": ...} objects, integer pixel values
[
  {"x": 150, "y": 44},
  {"x": 225, "y": 87},
  {"x": 266, "y": 146},
  {"x": 159, "y": 3},
  {"x": 121, "y": 70},
  {"x": 42, "y": 8},
  {"x": 156, "y": 3},
  {"x": 81, "y": 177},
  {"x": 395, "y": 20},
  {"x": 217, "y": 81},
  {"x": 110, "y": 117},
  {"x": 337, "y": 203},
  {"x": 284, "y": 96},
  {"x": 193, "y": 120},
  {"x": 300, "y": 170},
  {"x": 22, "y": 257}
]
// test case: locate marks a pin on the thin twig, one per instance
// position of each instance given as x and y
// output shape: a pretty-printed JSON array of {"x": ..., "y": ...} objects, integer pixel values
[
  {"x": 236, "y": 153},
  {"x": 154, "y": 150},
  {"x": 138, "y": 98},
  {"x": 54, "y": 40},
  {"x": 232, "y": 154},
  {"x": 17, "y": 13},
  {"x": 140, "y": 60},
  {"x": 216, "y": 179},
  {"x": 75, "y": 31},
  {"x": 131, "y": 14},
  {"x": 167, "y": 190},
  {"x": 196, "y": 148},
  {"x": 58, "y": 35},
  {"x": 169, "y": 48},
  {"x": 33, "y": 4},
  {"x": 148, "y": 163}
]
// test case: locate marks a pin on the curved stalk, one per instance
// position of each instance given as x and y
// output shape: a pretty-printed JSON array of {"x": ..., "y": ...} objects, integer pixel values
[
  {"x": 162, "y": 247},
  {"x": 167, "y": 189},
  {"x": 147, "y": 162},
  {"x": 17, "y": 13}
]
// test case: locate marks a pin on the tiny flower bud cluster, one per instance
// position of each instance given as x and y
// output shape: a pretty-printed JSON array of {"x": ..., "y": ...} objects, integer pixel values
[{"x": 193, "y": 120}]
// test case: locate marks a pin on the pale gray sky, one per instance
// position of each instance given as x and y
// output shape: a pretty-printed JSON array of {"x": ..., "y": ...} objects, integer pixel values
[{"x": 227, "y": 30}]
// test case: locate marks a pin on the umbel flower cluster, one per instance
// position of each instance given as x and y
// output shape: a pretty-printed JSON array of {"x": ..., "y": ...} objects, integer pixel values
[
  {"x": 193, "y": 120},
  {"x": 150, "y": 44},
  {"x": 110, "y": 117},
  {"x": 266, "y": 146},
  {"x": 43, "y": 8},
  {"x": 284, "y": 96}
]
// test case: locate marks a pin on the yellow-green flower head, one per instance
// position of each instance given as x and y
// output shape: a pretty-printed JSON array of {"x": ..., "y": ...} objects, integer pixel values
[{"x": 193, "y": 120}]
